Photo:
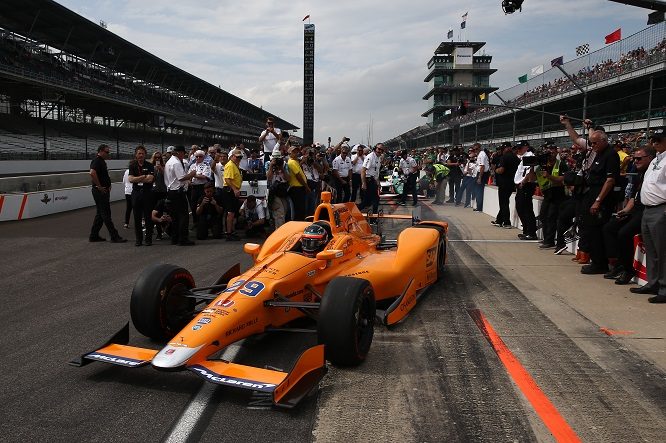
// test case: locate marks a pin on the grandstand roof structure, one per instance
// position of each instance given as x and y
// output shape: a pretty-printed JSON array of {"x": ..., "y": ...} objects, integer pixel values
[{"x": 50, "y": 23}]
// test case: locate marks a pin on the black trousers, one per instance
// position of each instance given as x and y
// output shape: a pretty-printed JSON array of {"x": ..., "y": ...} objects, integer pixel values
[
  {"x": 371, "y": 196},
  {"x": 297, "y": 195},
  {"x": 356, "y": 187},
  {"x": 550, "y": 209},
  {"x": 196, "y": 191},
  {"x": 504, "y": 192},
  {"x": 343, "y": 190},
  {"x": 209, "y": 222},
  {"x": 410, "y": 186},
  {"x": 180, "y": 216},
  {"x": 591, "y": 227},
  {"x": 619, "y": 238},
  {"x": 142, "y": 202},
  {"x": 103, "y": 214},
  {"x": 454, "y": 188},
  {"x": 525, "y": 209},
  {"x": 565, "y": 220}
]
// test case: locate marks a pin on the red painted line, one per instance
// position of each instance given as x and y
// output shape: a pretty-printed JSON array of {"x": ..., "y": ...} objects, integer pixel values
[
  {"x": 23, "y": 202},
  {"x": 608, "y": 331},
  {"x": 548, "y": 413},
  {"x": 2, "y": 202}
]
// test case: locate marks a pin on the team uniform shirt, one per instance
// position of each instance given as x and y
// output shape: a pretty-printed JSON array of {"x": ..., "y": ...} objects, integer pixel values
[
  {"x": 254, "y": 214},
  {"x": 407, "y": 165},
  {"x": 270, "y": 141},
  {"x": 343, "y": 166},
  {"x": 653, "y": 190},
  {"x": 522, "y": 170},
  {"x": 232, "y": 173},
  {"x": 126, "y": 183},
  {"x": 294, "y": 169},
  {"x": 136, "y": 170},
  {"x": 310, "y": 172},
  {"x": 201, "y": 169},
  {"x": 482, "y": 160},
  {"x": 358, "y": 166},
  {"x": 372, "y": 165},
  {"x": 606, "y": 165},
  {"x": 99, "y": 165},
  {"x": 174, "y": 170},
  {"x": 218, "y": 172}
]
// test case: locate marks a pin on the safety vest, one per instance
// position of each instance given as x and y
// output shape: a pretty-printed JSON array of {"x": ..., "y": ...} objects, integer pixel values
[
  {"x": 542, "y": 181},
  {"x": 440, "y": 171}
]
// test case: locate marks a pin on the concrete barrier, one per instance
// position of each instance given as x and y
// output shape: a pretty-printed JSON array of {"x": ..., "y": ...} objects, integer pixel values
[{"x": 37, "y": 204}]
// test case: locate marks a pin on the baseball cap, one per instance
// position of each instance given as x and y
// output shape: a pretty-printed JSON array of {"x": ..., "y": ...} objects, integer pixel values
[
  {"x": 293, "y": 148},
  {"x": 170, "y": 149},
  {"x": 276, "y": 153},
  {"x": 199, "y": 153},
  {"x": 505, "y": 145},
  {"x": 522, "y": 144},
  {"x": 179, "y": 148},
  {"x": 657, "y": 135}
]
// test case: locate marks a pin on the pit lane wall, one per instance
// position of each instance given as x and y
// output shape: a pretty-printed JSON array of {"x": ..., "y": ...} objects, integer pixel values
[{"x": 19, "y": 206}]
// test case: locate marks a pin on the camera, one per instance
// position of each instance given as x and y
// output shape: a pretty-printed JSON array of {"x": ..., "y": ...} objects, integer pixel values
[
  {"x": 345, "y": 139},
  {"x": 539, "y": 159},
  {"x": 279, "y": 163}
]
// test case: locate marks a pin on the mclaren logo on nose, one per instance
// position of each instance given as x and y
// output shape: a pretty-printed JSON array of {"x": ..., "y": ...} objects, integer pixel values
[{"x": 240, "y": 383}]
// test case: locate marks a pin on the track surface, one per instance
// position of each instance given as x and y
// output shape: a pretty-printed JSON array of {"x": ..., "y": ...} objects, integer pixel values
[{"x": 432, "y": 378}]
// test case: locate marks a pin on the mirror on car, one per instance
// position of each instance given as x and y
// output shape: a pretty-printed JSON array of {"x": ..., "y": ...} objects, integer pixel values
[
  {"x": 329, "y": 254},
  {"x": 251, "y": 249}
]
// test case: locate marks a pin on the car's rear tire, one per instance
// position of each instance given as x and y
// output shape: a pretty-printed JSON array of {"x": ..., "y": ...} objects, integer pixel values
[
  {"x": 441, "y": 247},
  {"x": 158, "y": 308},
  {"x": 346, "y": 320}
]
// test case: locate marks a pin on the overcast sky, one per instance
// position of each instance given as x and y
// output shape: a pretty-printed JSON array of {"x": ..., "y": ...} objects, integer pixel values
[{"x": 370, "y": 55}]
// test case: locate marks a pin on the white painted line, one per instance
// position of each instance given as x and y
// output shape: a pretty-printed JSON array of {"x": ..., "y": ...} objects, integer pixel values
[
  {"x": 494, "y": 241},
  {"x": 195, "y": 409}
]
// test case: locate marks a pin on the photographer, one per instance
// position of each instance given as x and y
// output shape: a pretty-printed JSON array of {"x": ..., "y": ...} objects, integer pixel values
[
  {"x": 161, "y": 215},
  {"x": 278, "y": 186},
  {"x": 269, "y": 138},
  {"x": 525, "y": 181},
  {"x": 312, "y": 166},
  {"x": 550, "y": 177},
  {"x": 209, "y": 213}
]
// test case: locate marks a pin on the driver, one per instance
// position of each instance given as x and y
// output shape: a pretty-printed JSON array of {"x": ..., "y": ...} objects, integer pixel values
[{"x": 314, "y": 240}]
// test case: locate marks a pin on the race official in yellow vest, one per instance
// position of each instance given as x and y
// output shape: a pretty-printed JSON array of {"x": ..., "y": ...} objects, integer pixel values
[{"x": 550, "y": 178}]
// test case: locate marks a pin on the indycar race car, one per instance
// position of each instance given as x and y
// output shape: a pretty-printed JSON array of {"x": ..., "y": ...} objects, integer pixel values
[{"x": 356, "y": 278}]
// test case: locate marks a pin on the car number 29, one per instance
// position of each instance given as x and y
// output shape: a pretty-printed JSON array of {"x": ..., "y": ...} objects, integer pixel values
[{"x": 251, "y": 288}]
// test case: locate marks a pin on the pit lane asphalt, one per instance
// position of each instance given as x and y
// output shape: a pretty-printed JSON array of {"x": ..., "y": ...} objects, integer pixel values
[{"x": 432, "y": 378}]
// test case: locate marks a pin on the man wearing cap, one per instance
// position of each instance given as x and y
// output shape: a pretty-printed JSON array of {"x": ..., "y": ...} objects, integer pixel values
[
  {"x": 410, "y": 172},
  {"x": 298, "y": 184},
  {"x": 177, "y": 178},
  {"x": 525, "y": 181},
  {"x": 342, "y": 171},
  {"x": 370, "y": 178},
  {"x": 357, "y": 157},
  {"x": 653, "y": 224},
  {"x": 233, "y": 179},
  {"x": 504, "y": 173},
  {"x": 454, "y": 163},
  {"x": 269, "y": 138},
  {"x": 168, "y": 153},
  {"x": 201, "y": 176}
]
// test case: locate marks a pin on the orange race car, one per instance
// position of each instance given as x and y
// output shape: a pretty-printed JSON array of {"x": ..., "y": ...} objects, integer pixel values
[{"x": 336, "y": 269}]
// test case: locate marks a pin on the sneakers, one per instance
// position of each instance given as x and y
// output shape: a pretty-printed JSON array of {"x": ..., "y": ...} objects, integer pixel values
[
  {"x": 527, "y": 237},
  {"x": 614, "y": 273},
  {"x": 560, "y": 249},
  {"x": 593, "y": 269},
  {"x": 496, "y": 223},
  {"x": 96, "y": 239}
]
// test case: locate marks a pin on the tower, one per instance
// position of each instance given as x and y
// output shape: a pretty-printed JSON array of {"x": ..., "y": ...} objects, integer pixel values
[{"x": 308, "y": 82}]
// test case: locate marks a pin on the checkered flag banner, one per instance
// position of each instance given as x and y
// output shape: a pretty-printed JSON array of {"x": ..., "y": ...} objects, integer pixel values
[{"x": 582, "y": 49}]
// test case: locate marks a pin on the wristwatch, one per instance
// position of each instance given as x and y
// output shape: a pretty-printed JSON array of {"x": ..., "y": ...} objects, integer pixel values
[{"x": 597, "y": 200}]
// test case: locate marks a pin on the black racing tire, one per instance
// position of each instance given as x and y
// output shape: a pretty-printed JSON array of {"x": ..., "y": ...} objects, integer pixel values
[
  {"x": 346, "y": 320},
  {"x": 158, "y": 308},
  {"x": 441, "y": 247}
]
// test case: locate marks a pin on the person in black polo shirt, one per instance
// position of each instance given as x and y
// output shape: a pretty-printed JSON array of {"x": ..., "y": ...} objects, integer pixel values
[
  {"x": 101, "y": 188},
  {"x": 598, "y": 202},
  {"x": 142, "y": 175},
  {"x": 504, "y": 173}
]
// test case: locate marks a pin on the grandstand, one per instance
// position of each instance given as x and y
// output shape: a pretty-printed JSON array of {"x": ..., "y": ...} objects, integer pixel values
[
  {"x": 624, "y": 88},
  {"x": 68, "y": 85}
]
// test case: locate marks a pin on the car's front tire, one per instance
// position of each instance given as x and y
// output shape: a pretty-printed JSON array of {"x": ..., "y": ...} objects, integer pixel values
[
  {"x": 158, "y": 308},
  {"x": 346, "y": 320}
]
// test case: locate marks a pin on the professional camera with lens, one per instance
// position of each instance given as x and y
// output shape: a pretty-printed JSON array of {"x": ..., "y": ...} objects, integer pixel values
[
  {"x": 279, "y": 163},
  {"x": 540, "y": 158}
]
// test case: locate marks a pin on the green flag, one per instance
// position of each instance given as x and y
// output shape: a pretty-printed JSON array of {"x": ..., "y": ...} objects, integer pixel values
[{"x": 523, "y": 78}]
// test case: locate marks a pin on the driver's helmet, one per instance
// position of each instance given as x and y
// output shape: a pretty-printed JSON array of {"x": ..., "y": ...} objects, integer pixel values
[{"x": 314, "y": 239}]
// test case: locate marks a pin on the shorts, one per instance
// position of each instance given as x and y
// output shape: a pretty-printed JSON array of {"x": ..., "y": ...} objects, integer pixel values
[{"x": 230, "y": 202}]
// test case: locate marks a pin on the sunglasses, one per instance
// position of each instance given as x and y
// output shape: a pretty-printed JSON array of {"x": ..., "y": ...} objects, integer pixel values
[
  {"x": 238, "y": 156},
  {"x": 638, "y": 158}
]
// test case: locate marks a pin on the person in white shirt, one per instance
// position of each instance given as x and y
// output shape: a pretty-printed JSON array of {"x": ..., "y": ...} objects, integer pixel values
[
  {"x": 653, "y": 223},
  {"x": 253, "y": 216},
  {"x": 201, "y": 177},
  {"x": 269, "y": 138},
  {"x": 482, "y": 174},
  {"x": 410, "y": 171},
  {"x": 357, "y": 157},
  {"x": 370, "y": 178},
  {"x": 342, "y": 171},
  {"x": 177, "y": 181},
  {"x": 128, "y": 198},
  {"x": 525, "y": 181}
]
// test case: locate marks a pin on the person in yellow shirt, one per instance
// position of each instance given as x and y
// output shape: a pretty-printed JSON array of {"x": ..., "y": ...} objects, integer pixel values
[
  {"x": 298, "y": 184},
  {"x": 231, "y": 191}
]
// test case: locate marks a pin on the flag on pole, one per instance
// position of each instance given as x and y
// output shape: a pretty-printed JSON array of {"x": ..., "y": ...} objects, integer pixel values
[
  {"x": 306, "y": 17},
  {"x": 462, "y": 25},
  {"x": 537, "y": 70},
  {"x": 450, "y": 33},
  {"x": 614, "y": 36},
  {"x": 582, "y": 49},
  {"x": 482, "y": 96},
  {"x": 464, "y": 17},
  {"x": 557, "y": 61},
  {"x": 464, "y": 21},
  {"x": 523, "y": 78}
]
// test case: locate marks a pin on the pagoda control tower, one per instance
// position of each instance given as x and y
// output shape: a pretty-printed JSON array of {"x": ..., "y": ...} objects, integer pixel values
[{"x": 456, "y": 73}]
